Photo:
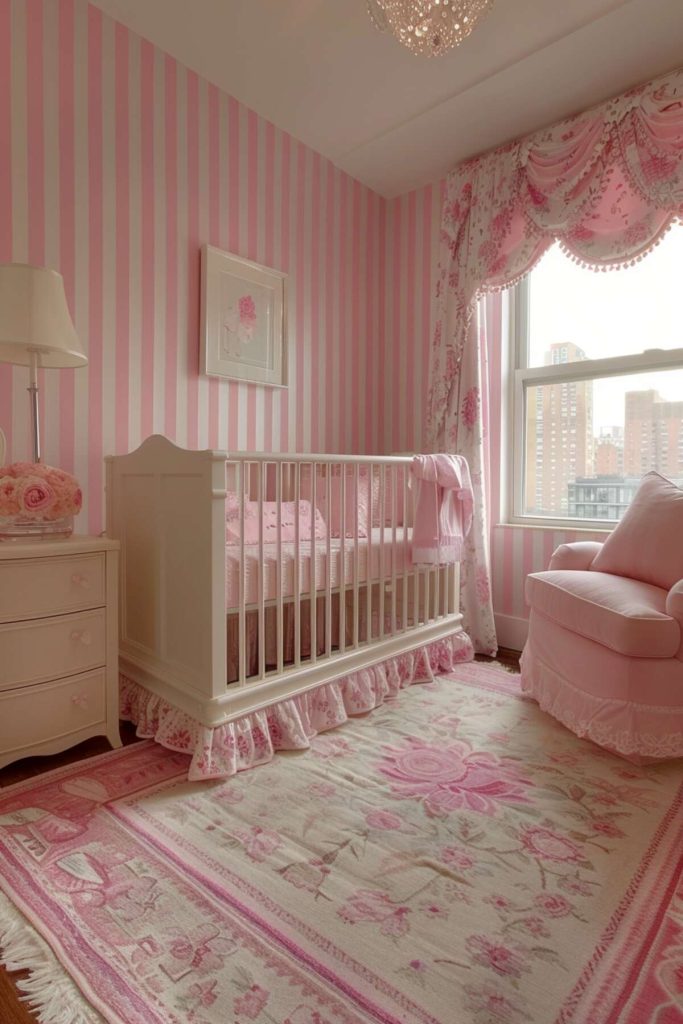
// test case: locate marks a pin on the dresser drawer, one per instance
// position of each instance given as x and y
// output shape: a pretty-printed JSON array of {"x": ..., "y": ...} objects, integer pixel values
[
  {"x": 45, "y": 649},
  {"x": 38, "y": 714},
  {"x": 36, "y": 587}
]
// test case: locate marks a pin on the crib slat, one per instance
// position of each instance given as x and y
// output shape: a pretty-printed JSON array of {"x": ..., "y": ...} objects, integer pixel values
[
  {"x": 297, "y": 567},
  {"x": 261, "y": 470},
  {"x": 416, "y": 574},
  {"x": 242, "y": 625},
  {"x": 392, "y": 474},
  {"x": 279, "y": 626},
  {"x": 313, "y": 580},
  {"x": 328, "y": 561},
  {"x": 406, "y": 551},
  {"x": 342, "y": 560},
  {"x": 383, "y": 519},
  {"x": 356, "y": 479},
  {"x": 368, "y": 559}
]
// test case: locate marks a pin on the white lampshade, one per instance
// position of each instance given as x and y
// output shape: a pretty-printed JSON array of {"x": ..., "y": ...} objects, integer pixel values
[{"x": 34, "y": 318}]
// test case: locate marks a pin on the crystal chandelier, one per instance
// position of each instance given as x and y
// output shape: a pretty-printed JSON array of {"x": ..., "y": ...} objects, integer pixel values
[{"x": 428, "y": 27}]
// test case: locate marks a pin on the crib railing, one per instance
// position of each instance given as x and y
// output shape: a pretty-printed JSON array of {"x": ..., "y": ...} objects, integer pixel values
[
  {"x": 308, "y": 605},
  {"x": 317, "y": 598}
]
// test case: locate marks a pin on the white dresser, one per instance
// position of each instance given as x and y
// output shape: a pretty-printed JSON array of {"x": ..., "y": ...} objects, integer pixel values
[{"x": 58, "y": 644}]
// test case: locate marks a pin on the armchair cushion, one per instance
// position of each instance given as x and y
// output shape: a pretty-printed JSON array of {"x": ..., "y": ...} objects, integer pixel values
[
  {"x": 625, "y": 615},
  {"x": 646, "y": 545}
]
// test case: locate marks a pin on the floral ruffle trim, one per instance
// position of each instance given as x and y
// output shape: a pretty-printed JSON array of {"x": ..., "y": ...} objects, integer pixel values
[
  {"x": 641, "y": 733},
  {"x": 220, "y": 751}
]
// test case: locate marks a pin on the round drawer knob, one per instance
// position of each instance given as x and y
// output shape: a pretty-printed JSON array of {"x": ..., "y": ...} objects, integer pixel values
[
  {"x": 80, "y": 700},
  {"x": 80, "y": 581},
  {"x": 82, "y": 636}
]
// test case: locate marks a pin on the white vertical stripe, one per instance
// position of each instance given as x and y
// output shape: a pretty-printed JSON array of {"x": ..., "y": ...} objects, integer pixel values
[
  {"x": 305, "y": 344},
  {"x": 108, "y": 411},
  {"x": 135, "y": 226},
  {"x": 159, "y": 240},
  {"x": 20, "y": 407},
  {"x": 223, "y": 242},
  {"x": 82, "y": 243},
  {"x": 203, "y": 227},
  {"x": 182, "y": 255},
  {"x": 50, "y": 386}
]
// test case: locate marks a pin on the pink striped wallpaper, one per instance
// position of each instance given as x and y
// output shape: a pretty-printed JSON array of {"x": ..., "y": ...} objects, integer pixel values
[{"x": 116, "y": 164}]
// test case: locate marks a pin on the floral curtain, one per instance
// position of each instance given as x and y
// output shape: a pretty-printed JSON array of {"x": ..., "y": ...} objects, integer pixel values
[{"x": 607, "y": 183}]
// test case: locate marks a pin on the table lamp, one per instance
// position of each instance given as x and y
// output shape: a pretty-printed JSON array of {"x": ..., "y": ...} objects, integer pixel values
[{"x": 36, "y": 331}]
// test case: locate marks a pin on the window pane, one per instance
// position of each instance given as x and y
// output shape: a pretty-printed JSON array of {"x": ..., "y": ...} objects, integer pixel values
[
  {"x": 576, "y": 313},
  {"x": 588, "y": 443}
]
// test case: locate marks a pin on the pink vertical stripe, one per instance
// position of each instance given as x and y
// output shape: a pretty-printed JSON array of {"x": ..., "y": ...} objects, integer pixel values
[
  {"x": 300, "y": 274},
  {"x": 233, "y": 233},
  {"x": 122, "y": 364},
  {"x": 171, "y": 156},
  {"x": 285, "y": 224},
  {"x": 6, "y": 196},
  {"x": 67, "y": 219},
  {"x": 314, "y": 324},
  {"x": 251, "y": 245},
  {"x": 214, "y": 236},
  {"x": 148, "y": 247},
  {"x": 329, "y": 301},
  {"x": 95, "y": 290},
  {"x": 427, "y": 260},
  {"x": 35, "y": 162},
  {"x": 269, "y": 256},
  {"x": 398, "y": 400},
  {"x": 355, "y": 349},
  {"x": 381, "y": 380},
  {"x": 35, "y": 135},
  {"x": 408, "y": 437},
  {"x": 193, "y": 243}
]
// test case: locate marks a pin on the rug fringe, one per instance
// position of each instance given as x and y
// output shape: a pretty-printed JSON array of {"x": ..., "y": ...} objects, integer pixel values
[{"x": 49, "y": 991}]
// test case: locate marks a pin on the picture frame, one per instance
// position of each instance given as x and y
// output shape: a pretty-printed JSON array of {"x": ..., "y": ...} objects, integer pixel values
[{"x": 243, "y": 326}]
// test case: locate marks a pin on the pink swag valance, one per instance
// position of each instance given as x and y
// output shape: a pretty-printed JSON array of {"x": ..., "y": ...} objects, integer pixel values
[{"x": 606, "y": 183}]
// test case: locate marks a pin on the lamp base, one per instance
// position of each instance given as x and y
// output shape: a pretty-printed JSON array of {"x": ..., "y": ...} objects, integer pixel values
[{"x": 17, "y": 528}]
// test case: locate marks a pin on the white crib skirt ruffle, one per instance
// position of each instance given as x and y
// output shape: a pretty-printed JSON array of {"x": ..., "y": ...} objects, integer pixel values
[{"x": 222, "y": 751}]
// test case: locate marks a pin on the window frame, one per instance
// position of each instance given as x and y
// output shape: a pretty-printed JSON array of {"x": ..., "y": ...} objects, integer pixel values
[{"x": 522, "y": 376}]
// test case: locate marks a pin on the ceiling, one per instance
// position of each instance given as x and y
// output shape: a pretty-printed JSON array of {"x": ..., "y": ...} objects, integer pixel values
[{"x": 319, "y": 70}]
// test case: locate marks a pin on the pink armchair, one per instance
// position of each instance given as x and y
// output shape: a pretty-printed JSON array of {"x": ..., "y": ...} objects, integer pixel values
[{"x": 604, "y": 653}]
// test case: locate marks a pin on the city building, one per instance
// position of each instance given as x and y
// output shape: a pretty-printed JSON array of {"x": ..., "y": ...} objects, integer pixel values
[
  {"x": 559, "y": 435},
  {"x": 601, "y": 496},
  {"x": 653, "y": 437}
]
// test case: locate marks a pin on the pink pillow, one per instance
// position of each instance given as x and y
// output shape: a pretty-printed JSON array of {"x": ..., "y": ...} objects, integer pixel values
[
  {"x": 647, "y": 544},
  {"x": 270, "y": 515}
]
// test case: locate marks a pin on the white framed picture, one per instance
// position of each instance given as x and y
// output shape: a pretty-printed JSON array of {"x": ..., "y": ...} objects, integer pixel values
[{"x": 243, "y": 319}]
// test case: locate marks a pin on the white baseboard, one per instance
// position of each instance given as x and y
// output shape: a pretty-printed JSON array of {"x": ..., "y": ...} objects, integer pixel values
[{"x": 511, "y": 631}]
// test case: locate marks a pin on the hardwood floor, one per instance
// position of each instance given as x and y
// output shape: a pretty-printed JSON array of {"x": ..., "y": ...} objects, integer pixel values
[{"x": 12, "y": 1011}]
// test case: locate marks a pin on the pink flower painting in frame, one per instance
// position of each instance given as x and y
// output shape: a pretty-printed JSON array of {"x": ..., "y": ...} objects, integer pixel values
[{"x": 243, "y": 312}]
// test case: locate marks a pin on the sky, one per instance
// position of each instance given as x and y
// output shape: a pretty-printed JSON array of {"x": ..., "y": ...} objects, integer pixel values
[{"x": 617, "y": 312}]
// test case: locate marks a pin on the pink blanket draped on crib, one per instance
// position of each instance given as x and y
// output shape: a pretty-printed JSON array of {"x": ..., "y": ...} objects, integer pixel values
[{"x": 443, "y": 515}]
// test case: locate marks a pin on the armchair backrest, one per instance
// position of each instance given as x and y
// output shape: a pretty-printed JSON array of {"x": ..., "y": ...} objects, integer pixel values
[{"x": 647, "y": 544}]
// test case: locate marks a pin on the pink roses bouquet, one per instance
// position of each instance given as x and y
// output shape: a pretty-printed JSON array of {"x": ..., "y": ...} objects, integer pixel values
[{"x": 38, "y": 493}]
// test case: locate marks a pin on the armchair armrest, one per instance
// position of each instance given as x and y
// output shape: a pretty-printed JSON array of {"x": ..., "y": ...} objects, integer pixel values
[
  {"x": 578, "y": 555},
  {"x": 674, "y": 602}
]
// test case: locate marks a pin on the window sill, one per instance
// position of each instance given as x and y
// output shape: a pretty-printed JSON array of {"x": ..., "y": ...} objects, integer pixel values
[{"x": 565, "y": 525}]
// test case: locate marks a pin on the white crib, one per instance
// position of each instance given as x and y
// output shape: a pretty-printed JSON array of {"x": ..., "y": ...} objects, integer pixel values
[{"x": 295, "y": 600}]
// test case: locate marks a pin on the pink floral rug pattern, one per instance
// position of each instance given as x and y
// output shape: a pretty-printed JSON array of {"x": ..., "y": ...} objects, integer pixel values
[{"x": 455, "y": 856}]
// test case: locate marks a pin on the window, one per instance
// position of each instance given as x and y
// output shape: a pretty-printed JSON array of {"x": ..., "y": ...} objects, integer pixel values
[{"x": 597, "y": 385}]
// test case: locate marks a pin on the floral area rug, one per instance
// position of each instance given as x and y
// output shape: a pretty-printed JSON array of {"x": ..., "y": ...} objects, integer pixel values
[{"x": 456, "y": 857}]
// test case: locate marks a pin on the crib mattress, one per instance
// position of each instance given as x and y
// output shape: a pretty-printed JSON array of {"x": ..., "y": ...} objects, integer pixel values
[{"x": 369, "y": 565}]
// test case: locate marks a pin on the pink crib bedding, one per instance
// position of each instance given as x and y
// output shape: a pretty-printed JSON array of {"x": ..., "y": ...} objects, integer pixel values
[{"x": 369, "y": 564}]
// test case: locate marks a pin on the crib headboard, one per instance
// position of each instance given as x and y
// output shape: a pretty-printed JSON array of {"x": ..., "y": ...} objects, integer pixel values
[{"x": 167, "y": 508}]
